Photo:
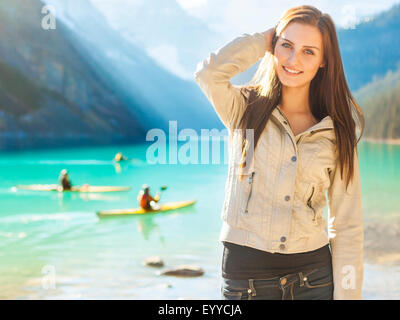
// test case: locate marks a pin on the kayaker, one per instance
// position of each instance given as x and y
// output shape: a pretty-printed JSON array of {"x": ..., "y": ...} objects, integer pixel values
[
  {"x": 120, "y": 157},
  {"x": 144, "y": 198},
  {"x": 64, "y": 181}
]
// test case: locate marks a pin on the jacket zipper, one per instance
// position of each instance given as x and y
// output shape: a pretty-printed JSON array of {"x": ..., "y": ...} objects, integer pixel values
[
  {"x": 310, "y": 204},
  {"x": 287, "y": 120},
  {"x": 251, "y": 189}
]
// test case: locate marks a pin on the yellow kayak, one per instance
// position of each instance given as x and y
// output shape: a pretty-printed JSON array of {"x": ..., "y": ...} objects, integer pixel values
[
  {"x": 55, "y": 187},
  {"x": 137, "y": 211}
]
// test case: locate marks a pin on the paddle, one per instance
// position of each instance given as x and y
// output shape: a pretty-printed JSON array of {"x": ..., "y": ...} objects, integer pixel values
[{"x": 162, "y": 188}]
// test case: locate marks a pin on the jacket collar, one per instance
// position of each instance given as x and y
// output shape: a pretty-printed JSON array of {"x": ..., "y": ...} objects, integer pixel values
[{"x": 325, "y": 123}]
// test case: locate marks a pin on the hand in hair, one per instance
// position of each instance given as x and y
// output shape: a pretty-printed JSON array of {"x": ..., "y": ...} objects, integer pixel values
[{"x": 269, "y": 35}]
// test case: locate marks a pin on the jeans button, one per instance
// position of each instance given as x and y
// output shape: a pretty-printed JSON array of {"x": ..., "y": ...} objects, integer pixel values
[
  {"x": 283, "y": 239},
  {"x": 282, "y": 247}
]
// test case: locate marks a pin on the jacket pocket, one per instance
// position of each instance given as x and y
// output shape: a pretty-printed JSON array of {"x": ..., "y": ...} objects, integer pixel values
[
  {"x": 231, "y": 295},
  {"x": 322, "y": 278},
  {"x": 250, "y": 182},
  {"x": 319, "y": 285},
  {"x": 249, "y": 215},
  {"x": 311, "y": 196}
]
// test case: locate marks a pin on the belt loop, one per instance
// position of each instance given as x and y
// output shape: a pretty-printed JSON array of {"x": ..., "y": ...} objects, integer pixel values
[
  {"x": 252, "y": 290},
  {"x": 301, "y": 279}
]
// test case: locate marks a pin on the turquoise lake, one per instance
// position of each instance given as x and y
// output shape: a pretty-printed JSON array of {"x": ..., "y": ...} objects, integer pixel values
[{"x": 56, "y": 236}]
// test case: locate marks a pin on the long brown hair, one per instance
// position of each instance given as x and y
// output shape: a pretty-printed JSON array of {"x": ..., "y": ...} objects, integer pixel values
[{"x": 329, "y": 93}]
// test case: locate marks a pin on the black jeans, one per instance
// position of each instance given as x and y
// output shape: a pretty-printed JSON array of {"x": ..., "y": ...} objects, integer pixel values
[{"x": 315, "y": 284}]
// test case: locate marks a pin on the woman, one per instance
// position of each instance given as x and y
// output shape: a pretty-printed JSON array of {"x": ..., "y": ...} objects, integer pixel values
[{"x": 292, "y": 137}]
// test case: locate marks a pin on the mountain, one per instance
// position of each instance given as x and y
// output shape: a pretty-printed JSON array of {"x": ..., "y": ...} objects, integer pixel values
[
  {"x": 49, "y": 95},
  {"x": 164, "y": 30},
  {"x": 372, "y": 48},
  {"x": 83, "y": 84},
  {"x": 159, "y": 95},
  {"x": 380, "y": 102},
  {"x": 371, "y": 55}
]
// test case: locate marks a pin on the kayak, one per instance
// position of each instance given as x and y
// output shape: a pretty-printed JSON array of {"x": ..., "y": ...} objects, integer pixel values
[
  {"x": 56, "y": 187},
  {"x": 138, "y": 211}
]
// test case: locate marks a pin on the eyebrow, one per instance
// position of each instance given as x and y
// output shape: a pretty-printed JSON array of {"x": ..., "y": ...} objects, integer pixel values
[{"x": 303, "y": 46}]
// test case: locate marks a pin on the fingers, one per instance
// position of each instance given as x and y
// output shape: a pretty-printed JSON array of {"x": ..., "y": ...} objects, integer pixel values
[{"x": 269, "y": 35}]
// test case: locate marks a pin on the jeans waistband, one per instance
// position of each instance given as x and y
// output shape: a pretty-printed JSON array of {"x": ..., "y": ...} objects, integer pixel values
[{"x": 283, "y": 281}]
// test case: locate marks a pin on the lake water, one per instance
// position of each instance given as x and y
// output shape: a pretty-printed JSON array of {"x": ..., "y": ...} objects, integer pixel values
[{"x": 47, "y": 236}]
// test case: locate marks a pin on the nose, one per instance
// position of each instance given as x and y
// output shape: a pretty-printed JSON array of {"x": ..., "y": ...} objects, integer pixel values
[{"x": 293, "y": 58}]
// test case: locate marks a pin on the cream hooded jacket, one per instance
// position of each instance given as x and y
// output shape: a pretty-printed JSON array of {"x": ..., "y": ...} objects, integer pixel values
[{"x": 278, "y": 206}]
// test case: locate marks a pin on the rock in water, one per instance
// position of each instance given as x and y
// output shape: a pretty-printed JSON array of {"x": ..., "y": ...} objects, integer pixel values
[
  {"x": 184, "y": 271},
  {"x": 155, "y": 262}
]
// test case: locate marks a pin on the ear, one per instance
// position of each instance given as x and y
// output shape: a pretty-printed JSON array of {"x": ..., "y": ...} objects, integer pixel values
[{"x": 322, "y": 65}]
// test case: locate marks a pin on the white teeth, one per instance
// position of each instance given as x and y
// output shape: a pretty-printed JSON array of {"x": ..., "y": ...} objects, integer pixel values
[{"x": 291, "y": 71}]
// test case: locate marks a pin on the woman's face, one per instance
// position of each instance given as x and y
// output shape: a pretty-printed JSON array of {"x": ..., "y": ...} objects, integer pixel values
[{"x": 298, "y": 49}]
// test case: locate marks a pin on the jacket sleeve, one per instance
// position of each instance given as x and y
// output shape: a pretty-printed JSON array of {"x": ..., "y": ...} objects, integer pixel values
[
  {"x": 346, "y": 234},
  {"x": 213, "y": 75}
]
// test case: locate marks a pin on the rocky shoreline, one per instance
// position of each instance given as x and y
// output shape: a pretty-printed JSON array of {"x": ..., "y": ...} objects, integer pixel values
[{"x": 381, "y": 242}]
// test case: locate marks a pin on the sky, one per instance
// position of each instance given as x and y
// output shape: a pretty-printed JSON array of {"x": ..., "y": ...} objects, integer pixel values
[
  {"x": 235, "y": 15},
  {"x": 231, "y": 15},
  {"x": 223, "y": 19}
]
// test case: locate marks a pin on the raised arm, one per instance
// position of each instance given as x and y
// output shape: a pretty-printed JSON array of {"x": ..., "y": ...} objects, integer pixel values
[
  {"x": 214, "y": 73},
  {"x": 346, "y": 234}
]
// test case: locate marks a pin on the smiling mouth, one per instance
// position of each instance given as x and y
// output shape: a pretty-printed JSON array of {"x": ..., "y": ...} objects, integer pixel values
[{"x": 291, "y": 71}]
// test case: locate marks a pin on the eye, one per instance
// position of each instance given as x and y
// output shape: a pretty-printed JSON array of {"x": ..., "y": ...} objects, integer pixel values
[
  {"x": 284, "y": 45},
  {"x": 310, "y": 52}
]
